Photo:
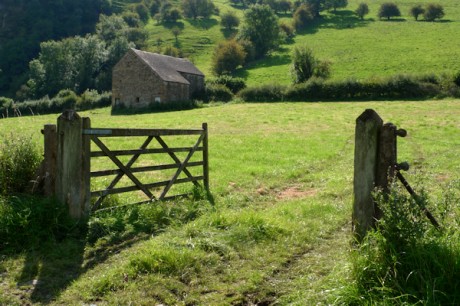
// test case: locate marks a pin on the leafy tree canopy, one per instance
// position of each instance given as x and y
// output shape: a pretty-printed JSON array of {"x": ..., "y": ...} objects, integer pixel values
[{"x": 260, "y": 27}]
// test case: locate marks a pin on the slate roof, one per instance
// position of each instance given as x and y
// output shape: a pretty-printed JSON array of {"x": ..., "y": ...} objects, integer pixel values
[{"x": 168, "y": 67}]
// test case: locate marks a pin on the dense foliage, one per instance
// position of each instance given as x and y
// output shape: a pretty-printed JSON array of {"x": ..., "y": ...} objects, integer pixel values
[
  {"x": 388, "y": 10},
  {"x": 24, "y": 24},
  {"x": 260, "y": 27},
  {"x": 395, "y": 87}
]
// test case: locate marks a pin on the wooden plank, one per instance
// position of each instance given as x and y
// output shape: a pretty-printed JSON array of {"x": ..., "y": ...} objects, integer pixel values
[
  {"x": 139, "y": 132},
  {"x": 205, "y": 158},
  {"x": 181, "y": 168},
  {"x": 86, "y": 168},
  {"x": 184, "y": 195},
  {"x": 143, "y": 169},
  {"x": 368, "y": 126},
  {"x": 174, "y": 157},
  {"x": 120, "y": 165},
  {"x": 144, "y": 151},
  {"x": 106, "y": 192},
  {"x": 50, "y": 135}
]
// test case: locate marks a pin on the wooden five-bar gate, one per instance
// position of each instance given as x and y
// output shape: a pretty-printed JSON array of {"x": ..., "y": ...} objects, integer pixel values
[{"x": 67, "y": 165}]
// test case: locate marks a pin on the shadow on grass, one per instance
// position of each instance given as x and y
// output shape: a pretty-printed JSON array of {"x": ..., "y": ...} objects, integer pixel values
[
  {"x": 339, "y": 20},
  {"x": 51, "y": 266},
  {"x": 170, "y": 25},
  {"x": 202, "y": 23},
  {"x": 229, "y": 33}
]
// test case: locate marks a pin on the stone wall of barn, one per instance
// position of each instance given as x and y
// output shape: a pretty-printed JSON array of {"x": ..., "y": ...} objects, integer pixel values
[
  {"x": 135, "y": 85},
  {"x": 196, "y": 82}
]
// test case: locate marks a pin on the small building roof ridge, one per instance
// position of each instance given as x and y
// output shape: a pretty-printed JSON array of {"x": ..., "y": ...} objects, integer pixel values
[{"x": 169, "y": 68}]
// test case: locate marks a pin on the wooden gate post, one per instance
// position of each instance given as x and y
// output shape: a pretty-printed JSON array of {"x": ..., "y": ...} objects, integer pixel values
[
  {"x": 49, "y": 171},
  {"x": 368, "y": 127},
  {"x": 72, "y": 185}
]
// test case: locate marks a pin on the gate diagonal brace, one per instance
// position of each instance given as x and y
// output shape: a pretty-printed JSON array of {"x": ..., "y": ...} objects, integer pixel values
[
  {"x": 416, "y": 197},
  {"x": 175, "y": 158},
  {"x": 123, "y": 168},
  {"x": 182, "y": 167}
]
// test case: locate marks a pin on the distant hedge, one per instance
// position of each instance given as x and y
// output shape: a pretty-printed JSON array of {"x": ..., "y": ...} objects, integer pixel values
[
  {"x": 398, "y": 87},
  {"x": 65, "y": 99}
]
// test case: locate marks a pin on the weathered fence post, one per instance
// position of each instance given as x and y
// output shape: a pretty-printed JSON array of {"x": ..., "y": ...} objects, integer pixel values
[
  {"x": 49, "y": 171},
  {"x": 368, "y": 127},
  {"x": 71, "y": 179},
  {"x": 205, "y": 158}
]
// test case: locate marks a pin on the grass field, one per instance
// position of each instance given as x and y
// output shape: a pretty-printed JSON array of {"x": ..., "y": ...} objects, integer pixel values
[
  {"x": 357, "y": 49},
  {"x": 279, "y": 228}
]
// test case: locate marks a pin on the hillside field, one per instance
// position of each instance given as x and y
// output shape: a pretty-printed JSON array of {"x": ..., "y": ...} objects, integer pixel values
[
  {"x": 357, "y": 49},
  {"x": 278, "y": 231}
]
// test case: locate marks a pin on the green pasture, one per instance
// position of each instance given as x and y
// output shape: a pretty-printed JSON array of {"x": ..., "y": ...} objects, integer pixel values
[
  {"x": 278, "y": 229},
  {"x": 357, "y": 48}
]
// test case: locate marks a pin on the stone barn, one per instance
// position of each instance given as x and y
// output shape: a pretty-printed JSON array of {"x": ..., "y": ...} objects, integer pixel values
[{"x": 141, "y": 78}]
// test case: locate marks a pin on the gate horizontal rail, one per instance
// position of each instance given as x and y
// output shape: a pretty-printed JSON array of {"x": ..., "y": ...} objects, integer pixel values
[{"x": 68, "y": 158}]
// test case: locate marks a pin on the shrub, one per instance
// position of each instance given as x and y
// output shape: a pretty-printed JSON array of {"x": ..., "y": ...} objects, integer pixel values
[
  {"x": 232, "y": 83},
  {"x": 305, "y": 65},
  {"x": 263, "y": 93},
  {"x": 249, "y": 49},
  {"x": 303, "y": 16},
  {"x": 362, "y": 10},
  {"x": 19, "y": 160},
  {"x": 228, "y": 55},
  {"x": 229, "y": 20},
  {"x": 433, "y": 11},
  {"x": 91, "y": 99},
  {"x": 65, "y": 99},
  {"x": 218, "y": 92},
  {"x": 287, "y": 29},
  {"x": 456, "y": 78},
  {"x": 388, "y": 10},
  {"x": 416, "y": 11}
]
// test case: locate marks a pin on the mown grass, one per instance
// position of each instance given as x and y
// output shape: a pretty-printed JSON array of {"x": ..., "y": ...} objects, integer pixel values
[
  {"x": 357, "y": 48},
  {"x": 281, "y": 177}
]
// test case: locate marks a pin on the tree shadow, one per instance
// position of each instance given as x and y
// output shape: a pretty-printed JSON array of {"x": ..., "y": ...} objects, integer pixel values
[
  {"x": 393, "y": 20},
  {"x": 229, "y": 33},
  {"x": 203, "y": 23},
  {"x": 340, "y": 20},
  {"x": 170, "y": 25}
]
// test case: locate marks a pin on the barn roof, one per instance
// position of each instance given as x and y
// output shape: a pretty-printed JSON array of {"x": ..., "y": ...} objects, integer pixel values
[{"x": 168, "y": 67}]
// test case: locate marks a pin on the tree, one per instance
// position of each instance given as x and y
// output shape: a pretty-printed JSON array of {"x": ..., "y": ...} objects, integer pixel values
[
  {"x": 433, "y": 11},
  {"x": 260, "y": 26},
  {"x": 283, "y": 5},
  {"x": 416, "y": 11},
  {"x": 388, "y": 10},
  {"x": 176, "y": 31},
  {"x": 229, "y": 20},
  {"x": 305, "y": 65},
  {"x": 195, "y": 8},
  {"x": 303, "y": 16},
  {"x": 143, "y": 12},
  {"x": 228, "y": 55},
  {"x": 335, "y": 4},
  {"x": 362, "y": 10}
]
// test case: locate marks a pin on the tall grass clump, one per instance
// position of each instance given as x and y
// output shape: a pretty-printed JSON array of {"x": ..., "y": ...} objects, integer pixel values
[
  {"x": 406, "y": 260},
  {"x": 26, "y": 221},
  {"x": 19, "y": 160}
]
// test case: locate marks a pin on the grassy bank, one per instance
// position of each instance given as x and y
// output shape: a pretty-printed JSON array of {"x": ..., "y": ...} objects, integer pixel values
[{"x": 281, "y": 178}]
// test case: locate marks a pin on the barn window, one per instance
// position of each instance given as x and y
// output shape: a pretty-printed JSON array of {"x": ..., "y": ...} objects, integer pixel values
[
  {"x": 138, "y": 99},
  {"x": 157, "y": 99},
  {"x": 117, "y": 101}
]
